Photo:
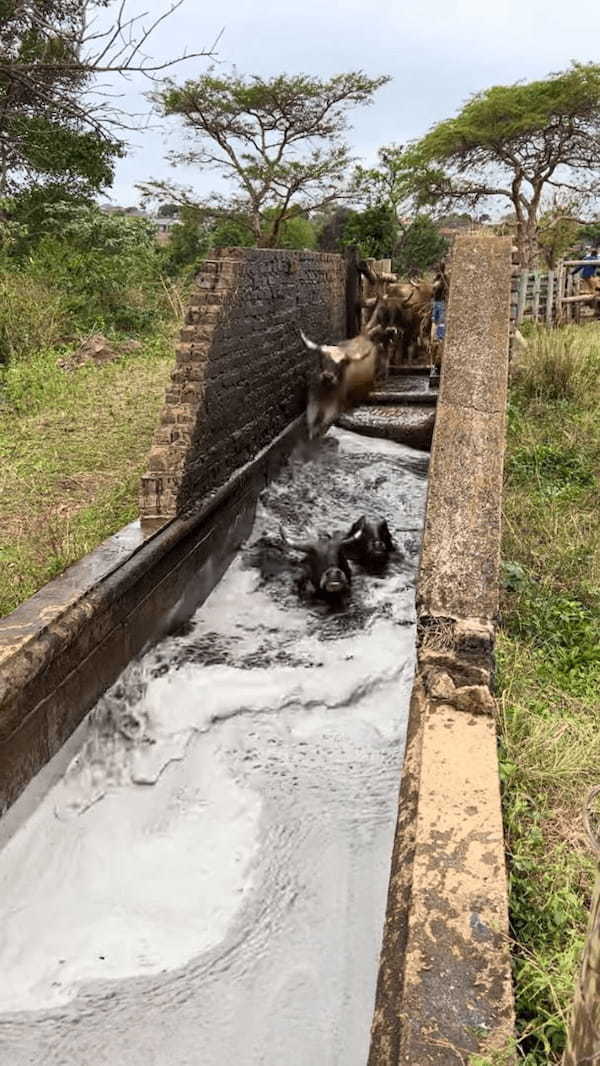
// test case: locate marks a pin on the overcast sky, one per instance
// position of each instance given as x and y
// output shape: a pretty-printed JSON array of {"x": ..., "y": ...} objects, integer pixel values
[{"x": 438, "y": 53}]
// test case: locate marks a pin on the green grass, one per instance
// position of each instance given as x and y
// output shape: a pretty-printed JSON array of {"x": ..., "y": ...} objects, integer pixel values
[
  {"x": 72, "y": 448},
  {"x": 549, "y": 671}
]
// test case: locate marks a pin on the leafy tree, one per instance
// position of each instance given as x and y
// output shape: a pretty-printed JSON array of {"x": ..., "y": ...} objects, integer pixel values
[
  {"x": 189, "y": 242},
  {"x": 43, "y": 135},
  {"x": 232, "y": 233},
  {"x": 383, "y": 184},
  {"x": 374, "y": 231},
  {"x": 513, "y": 142},
  {"x": 168, "y": 210},
  {"x": 455, "y": 218},
  {"x": 558, "y": 231},
  {"x": 278, "y": 141},
  {"x": 295, "y": 232},
  {"x": 57, "y": 125},
  {"x": 420, "y": 247},
  {"x": 590, "y": 233},
  {"x": 330, "y": 228}
]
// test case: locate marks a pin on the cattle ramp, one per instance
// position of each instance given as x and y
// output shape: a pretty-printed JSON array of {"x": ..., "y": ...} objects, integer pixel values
[{"x": 443, "y": 988}]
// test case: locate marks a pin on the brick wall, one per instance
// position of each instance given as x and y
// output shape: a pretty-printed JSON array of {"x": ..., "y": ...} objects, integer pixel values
[{"x": 241, "y": 369}]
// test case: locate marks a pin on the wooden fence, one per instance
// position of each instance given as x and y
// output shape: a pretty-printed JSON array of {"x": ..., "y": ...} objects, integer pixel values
[{"x": 552, "y": 297}]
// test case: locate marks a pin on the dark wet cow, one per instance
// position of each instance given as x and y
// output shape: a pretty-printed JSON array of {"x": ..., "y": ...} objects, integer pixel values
[
  {"x": 343, "y": 377},
  {"x": 369, "y": 542},
  {"x": 325, "y": 564}
]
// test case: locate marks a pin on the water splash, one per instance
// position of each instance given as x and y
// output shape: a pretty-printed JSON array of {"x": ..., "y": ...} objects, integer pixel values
[{"x": 217, "y": 851}]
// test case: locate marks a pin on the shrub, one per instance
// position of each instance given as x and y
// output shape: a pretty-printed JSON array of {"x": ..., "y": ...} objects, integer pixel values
[
  {"x": 107, "y": 267},
  {"x": 33, "y": 315},
  {"x": 560, "y": 364}
]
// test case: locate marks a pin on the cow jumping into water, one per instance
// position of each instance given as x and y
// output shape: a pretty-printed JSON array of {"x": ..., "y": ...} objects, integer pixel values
[{"x": 344, "y": 376}]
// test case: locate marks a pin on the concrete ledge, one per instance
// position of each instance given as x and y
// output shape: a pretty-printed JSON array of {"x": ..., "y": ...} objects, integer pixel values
[
  {"x": 444, "y": 989},
  {"x": 65, "y": 646}
]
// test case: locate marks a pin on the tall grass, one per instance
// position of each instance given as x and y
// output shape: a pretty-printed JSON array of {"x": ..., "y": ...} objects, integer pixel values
[
  {"x": 549, "y": 670},
  {"x": 561, "y": 364},
  {"x": 33, "y": 315}
]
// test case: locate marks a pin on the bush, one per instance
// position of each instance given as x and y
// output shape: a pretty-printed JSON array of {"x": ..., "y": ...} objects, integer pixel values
[
  {"x": 373, "y": 231},
  {"x": 33, "y": 315},
  {"x": 560, "y": 364},
  {"x": 106, "y": 266}
]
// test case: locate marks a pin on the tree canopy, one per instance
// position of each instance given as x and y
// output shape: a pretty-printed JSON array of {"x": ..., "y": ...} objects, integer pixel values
[
  {"x": 373, "y": 231},
  {"x": 513, "y": 142},
  {"x": 420, "y": 247},
  {"x": 57, "y": 123},
  {"x": 384, "y": 184},
  {"x": 278, "y": 141},
  {"x": 44, "y": 133}
]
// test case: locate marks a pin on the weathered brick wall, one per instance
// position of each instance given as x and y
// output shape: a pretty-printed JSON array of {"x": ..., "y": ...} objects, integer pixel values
[{"x": 241, "y": 369}]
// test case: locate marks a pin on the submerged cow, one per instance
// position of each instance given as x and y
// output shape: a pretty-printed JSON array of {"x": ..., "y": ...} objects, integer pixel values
[
  {"x": 344, "y": 377},
  {"x": 369, "y": 542},
  {"x": 325, "y": 564}
]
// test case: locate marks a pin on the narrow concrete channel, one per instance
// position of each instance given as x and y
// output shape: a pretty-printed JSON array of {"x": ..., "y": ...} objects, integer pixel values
[{"x": 199, "y": 878}]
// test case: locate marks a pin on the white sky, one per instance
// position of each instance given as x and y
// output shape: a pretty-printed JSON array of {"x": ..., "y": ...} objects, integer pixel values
[{"x": 438, "y": 53}]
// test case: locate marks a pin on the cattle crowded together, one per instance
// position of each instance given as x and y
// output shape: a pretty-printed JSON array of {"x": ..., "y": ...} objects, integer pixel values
[{"x": 398, "y": 326}]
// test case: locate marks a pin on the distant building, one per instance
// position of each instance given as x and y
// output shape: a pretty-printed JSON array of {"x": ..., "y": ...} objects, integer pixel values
[{"x": 163, "y": 228}]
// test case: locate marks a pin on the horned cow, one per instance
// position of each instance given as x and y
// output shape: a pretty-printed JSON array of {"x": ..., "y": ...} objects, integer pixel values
[
  {"x": 344, "y": 376},
  {"x": 401, "y": 313}
]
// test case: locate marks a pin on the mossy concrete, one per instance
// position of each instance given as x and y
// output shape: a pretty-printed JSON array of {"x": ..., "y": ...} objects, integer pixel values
[
  {"x": 461, "y": 547},
  {"x": 444, "y": 992}
]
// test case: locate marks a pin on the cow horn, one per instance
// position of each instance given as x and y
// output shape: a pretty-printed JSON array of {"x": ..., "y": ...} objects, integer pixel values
[
  {"x": 295, "y": 545},
  {"x": 347, "y": 541},
  {"x": 310, "y": 344}
]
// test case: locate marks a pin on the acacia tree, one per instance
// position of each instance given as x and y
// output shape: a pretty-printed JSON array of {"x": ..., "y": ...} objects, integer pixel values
[
  {"x": 518, "y": 143},
  {"x": 277, "y": 141},
  {"x": 57, "y": 124},
  {"x": 558, "y": 230}
]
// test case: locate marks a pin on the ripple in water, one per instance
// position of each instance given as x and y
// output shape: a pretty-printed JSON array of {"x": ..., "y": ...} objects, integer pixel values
[{"x": 205, "y": 882}]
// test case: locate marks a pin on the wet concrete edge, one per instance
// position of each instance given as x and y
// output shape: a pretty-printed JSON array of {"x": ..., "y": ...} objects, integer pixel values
[
  {"x": 61, "y": 649},
  {"x": 444, "y": 992}
]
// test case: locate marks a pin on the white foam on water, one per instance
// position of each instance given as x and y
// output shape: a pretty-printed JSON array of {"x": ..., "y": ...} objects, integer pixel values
[{"x": 204, "y": 883}]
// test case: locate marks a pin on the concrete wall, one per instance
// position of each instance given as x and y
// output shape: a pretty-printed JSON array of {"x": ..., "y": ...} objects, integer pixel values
[
  {"x": 444, "y": 992},
  {"x": 241, "y": 368}
]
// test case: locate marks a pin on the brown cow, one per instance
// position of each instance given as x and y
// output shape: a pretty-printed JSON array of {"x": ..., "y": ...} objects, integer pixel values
[{"x": 344, "y": 377}]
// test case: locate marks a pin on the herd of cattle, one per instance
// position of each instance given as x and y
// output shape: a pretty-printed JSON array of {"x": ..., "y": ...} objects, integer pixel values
[{"x": 397, "y": 328}]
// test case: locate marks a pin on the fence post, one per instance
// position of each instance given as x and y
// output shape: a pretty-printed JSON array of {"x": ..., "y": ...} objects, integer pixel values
[
  {"x": 523, "y": 281},
  {"x": 550, "y": 317},
  {"x": 353, "y": 293},
  {"x": 536, "y": 295},
  {"x": 583, "y": 1040},
  {"x": 560, "y": 293}
]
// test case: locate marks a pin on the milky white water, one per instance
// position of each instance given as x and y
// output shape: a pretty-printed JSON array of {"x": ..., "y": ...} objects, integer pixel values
[{"x": 200, "y": 876}]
